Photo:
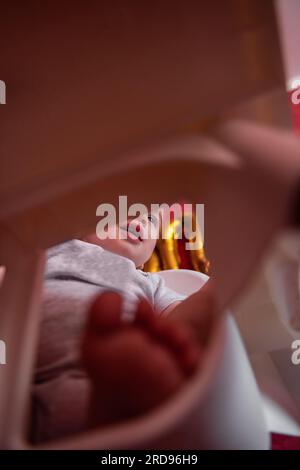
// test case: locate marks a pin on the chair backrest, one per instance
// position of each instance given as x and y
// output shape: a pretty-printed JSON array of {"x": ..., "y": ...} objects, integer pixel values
[{"x": 183, "y": 281}]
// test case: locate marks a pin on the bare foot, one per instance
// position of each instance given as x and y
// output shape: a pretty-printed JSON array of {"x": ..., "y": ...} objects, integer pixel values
[{"x": 133, "y": 366}]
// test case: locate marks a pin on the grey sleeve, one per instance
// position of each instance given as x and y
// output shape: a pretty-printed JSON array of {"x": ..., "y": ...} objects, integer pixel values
[{"x": 163, "y": 295}]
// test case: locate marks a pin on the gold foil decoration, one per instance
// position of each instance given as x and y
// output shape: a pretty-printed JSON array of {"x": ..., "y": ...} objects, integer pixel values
[
  {"x": 166, "y": 254},
  {"x": 153, "y": 264}
]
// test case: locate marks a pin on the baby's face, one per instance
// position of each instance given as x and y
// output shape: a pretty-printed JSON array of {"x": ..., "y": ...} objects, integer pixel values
[{"x": 140, "y": 235}]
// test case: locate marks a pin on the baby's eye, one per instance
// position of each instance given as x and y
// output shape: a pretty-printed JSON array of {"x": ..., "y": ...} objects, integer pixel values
[{"x": 152, "y": 219}]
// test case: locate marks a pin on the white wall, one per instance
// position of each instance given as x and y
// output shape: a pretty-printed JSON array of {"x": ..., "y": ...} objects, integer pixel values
[{"x": 288, "y": 12}]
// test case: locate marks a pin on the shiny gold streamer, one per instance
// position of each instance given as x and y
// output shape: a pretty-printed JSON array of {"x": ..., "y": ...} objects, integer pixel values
[{"x": 166, "y": 254}]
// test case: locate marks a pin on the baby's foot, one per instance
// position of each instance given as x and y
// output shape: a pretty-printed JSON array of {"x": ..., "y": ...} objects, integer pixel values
[{"x": 133, "y": 366}]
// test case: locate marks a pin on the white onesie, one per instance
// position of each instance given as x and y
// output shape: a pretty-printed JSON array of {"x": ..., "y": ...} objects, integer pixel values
[{"x": 76, "y": 272}]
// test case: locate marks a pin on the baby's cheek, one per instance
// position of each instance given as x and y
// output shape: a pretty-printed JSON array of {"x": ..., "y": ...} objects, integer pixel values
[{"x": 149, "y": 248}]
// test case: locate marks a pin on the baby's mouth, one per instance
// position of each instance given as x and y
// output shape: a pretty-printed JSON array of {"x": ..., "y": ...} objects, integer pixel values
[{"x": 132, "y": 234}]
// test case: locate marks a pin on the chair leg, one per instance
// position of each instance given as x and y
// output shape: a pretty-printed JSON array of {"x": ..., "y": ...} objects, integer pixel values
[{"x": 20, "y": 296}]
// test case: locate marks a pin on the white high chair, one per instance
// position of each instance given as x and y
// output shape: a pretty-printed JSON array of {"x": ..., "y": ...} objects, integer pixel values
[
  {"x": 238, "y": 401},
  {"x": 232, "y": 415},
  {"x": 114, "y": 102}
]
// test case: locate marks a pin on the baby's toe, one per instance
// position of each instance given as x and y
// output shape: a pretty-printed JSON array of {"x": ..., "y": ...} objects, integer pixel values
[
  {"x": 145, "y": 316},
  {"x": 104, "y": 315},
  {"x": 190, "y": 359},
  {"x": 181, "y": 343},
  {"x": 103, "y": 319},
  {"x": 177, "y": 339}
]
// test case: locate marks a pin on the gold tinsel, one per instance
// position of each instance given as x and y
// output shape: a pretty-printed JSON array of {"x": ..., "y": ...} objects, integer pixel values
[{"x": 166, "y": 254}]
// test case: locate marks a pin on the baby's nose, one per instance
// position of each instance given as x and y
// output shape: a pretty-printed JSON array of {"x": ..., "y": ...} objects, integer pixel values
[{"x": 144, "y": 221}]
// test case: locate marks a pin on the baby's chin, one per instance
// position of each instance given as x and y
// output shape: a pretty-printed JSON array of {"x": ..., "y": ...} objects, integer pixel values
[
  {"x": 122, "y": 248},
  {"x": 131, "y": 251}
]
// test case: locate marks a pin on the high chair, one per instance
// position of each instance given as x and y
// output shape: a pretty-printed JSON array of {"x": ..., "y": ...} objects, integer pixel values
[
  {"x": 232, "y": 415},
  {"x": 139, "y": 99}
]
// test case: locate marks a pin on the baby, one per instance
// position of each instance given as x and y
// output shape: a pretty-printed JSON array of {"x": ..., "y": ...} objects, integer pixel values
[{"x": 115, "y": 341}]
